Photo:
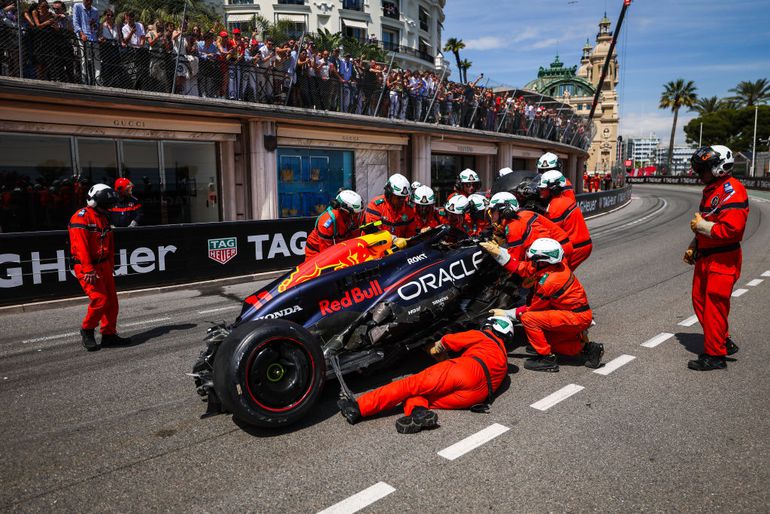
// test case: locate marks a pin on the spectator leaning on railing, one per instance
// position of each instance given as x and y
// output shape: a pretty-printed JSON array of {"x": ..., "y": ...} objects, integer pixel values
[{"x": 85, "y": 22}]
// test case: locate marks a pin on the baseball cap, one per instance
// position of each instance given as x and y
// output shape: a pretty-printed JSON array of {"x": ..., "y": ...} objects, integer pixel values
[
  {"x": 223, "y": 33},
  {"x": 236, "y": 31}
]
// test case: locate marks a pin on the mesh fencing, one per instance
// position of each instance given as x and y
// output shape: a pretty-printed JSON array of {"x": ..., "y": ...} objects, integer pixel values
[{"x": 188, "y": 64}]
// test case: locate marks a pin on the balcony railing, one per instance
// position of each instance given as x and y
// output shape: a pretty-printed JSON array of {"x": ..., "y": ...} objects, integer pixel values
[{"x": 353, "y": 5}]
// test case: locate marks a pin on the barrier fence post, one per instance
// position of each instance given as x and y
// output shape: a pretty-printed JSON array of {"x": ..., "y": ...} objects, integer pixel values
[
  {"x": 473, "y": 116},
  {"x": 433, "y": 100},
  {"x": 382, "y": 89},
  {"x": 18, "y": 38},
  {"x": 179, "y": 46},
  {"x": 293, "y": 71}
]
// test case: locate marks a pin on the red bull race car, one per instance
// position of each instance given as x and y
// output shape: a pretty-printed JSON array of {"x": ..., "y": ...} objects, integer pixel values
[{"x": 359, "y": 305}]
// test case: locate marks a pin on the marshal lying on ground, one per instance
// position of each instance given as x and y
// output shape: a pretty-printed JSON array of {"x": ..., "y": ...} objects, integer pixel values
[{"x": 358, "y": 304}]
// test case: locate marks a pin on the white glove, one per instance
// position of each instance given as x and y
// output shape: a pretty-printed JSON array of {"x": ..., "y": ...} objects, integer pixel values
[
  {"x": 509, "y": 313},
  {"x": 701, "y": 226},
  {"x": 498, "y": 254}
]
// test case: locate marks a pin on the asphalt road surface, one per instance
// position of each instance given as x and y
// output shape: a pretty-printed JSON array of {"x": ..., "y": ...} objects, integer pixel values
[{"x": 119, "y": 429}]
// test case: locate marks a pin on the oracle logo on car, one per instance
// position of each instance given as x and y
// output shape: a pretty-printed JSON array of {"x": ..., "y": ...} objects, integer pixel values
[
  {"x": 435, "y": 280},
  {"x": 350, "y": 298}
]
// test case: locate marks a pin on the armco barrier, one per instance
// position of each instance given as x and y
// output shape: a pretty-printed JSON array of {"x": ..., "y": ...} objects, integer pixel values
[
  {"x": 34, "y": 266},
  {"x": 750, "y": 183}
]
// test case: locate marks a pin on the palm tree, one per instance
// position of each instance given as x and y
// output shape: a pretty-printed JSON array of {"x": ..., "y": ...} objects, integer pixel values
[
  {"x": 708, "y": 105},
  {"x": 749, "y": 93},
  {"x": 454, "y": 45},
  {"x": 677, "y": 94},
  {"x": 324, "y": 39},
  {"x": 464, "y": 65}
]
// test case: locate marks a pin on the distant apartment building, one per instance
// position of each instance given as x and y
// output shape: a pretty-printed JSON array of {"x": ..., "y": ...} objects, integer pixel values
[
  {"x": 680, "y": 160},
  {"x": 411, "y": 28},
  {"x": 642, "y": 151}
]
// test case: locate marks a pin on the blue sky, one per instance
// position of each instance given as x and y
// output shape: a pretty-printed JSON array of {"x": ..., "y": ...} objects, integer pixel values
[{"x": 716, "y": 44}]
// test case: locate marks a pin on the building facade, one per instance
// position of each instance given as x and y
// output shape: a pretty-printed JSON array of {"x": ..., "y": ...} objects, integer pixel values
[
  {"x": 643, "y": 151},
  {"x": 410, "y": 28},
  {"x": 680, "y": 159},
  {"x": 576, "y": 87}
]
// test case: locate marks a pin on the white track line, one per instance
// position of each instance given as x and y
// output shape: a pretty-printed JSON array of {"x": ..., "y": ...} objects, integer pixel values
[
  {"x": 614, "y": 364},
  {"x": 145, "y": 322},
  {"x": 635, "y": 222},
  {"x": 688, "y": 322},
  {"x": 49, "y": 338},
  {"x": 655, "y": 341},
  {"x": 554, "y": 398},
  {"x": 739, "y": 292},
  {"x": 766, "y": 274},
  {"x": 755, "y": 282},
  {"x": 472, "y": 442},
  {"x": 360, "y": 500},
  {"x": 220, "y": 309}
]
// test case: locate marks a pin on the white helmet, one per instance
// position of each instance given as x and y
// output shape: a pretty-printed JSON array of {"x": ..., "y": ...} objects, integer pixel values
[
  {"x": 545, "y": 250},
  {"x": 478, "y": 202},
  {"x": 101, "y": 195},
  {"x": 500, "y": 324},
  {"x": 548, "y": 161},
  {"x": 552, "y": 179},
  {"x": 505, "y": 203},
  {"x": 424, "y": 195},
  {"x": 414, "y": 185},
  {"x": 468, "y": 176},
  {"x": 350, "y": 201},
  {"x": 458, "y": 204},
  {"x": 717, "y": 158},
  {"x": 503, "y": 172},
  {"x": 397, "y": 185}
]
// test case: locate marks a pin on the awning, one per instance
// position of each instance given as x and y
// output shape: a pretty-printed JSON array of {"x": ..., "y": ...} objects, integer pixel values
[
  {"x": 425, "y": 42},
  {"x": 295, "y": 18},
  {"x": 239, "y": 17},
  {"x": 355, "y": 24}
]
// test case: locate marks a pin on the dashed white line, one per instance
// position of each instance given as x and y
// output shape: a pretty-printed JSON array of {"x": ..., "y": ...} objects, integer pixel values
[
  {"x": 739, "y": 292},
  {"x": 766, "y": 274},
  {"x": 614, "y": 364},
  {"x": 655, "y": 341},
  {"x": 360, "y": 500},
  {"x": 688, "y": 322},
  {"x": 472, "y": 442},
  {"x": 145, "y": 322},
  {"x": 554, "y": 398},
  {"x": 220, "y": 309},
  {"x": 755, "y": 282},
  {"x": 49, "y": 338}
]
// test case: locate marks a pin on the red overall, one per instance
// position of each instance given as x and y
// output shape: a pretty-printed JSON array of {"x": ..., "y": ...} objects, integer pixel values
[
  {"x": 718, "y": 265},
  {"x": 399, "y": 223},
  {"x": 476, "y": 226},
  {"x": 93, "y": 249},
  {"x": 525, "y": 229},
  {"x": 458, "y": 383},
  {"x": 431, "y": 221},
  {"x": 566, "y": 213},
  {"x": 330, "y": 228},
  {"x": 559, "y": 312},
  {"x": 459, "y": 222}
]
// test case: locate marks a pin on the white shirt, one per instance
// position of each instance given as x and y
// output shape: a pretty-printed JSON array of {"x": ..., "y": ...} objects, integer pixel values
[
  {"x": 135, "y": 38},
  {"x": 110, "y": 34}
]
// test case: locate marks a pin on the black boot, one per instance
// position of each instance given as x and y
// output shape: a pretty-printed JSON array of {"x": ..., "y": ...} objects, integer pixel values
[
  {"x": 542, "y": 363},
  {"x": 730, "y": 346},
  {"x": 89, "y": 341},
  {"x": 707, "y": 363},
  {"x": 114, "y": 340},
  {"x": 420, "y": 419},
  {"x": 593, "y": 353},
  {"x": 530, "y": 349},
  {"x": 349, "y": 410}
]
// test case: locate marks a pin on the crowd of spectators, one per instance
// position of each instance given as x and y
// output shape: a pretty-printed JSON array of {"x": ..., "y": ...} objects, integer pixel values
[{"x": 90, "y": 47}]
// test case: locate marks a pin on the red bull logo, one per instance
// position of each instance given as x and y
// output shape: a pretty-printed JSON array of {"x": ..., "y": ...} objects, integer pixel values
[{"x": 350, "y": 298}]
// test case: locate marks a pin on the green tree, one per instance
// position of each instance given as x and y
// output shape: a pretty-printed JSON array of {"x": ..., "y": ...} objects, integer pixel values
[
  {"x": 731, "y": 127},
  {"x": 454, "y": 45},
  {"x": 465, "y": 64},
  {"x": 749, "y": 93},
  {"x": 324, "y": 39},
  {"x": 676, "y": 94},
  {"x": 168, "y": 11},
  {"x": 709, "y": 104}
]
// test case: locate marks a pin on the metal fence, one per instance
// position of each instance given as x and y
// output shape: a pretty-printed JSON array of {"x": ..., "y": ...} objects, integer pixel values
[{"x": 181, "y": 64}]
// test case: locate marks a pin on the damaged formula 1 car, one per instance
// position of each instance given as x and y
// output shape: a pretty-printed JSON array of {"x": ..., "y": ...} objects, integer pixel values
[{"x": 360, "y": 304}]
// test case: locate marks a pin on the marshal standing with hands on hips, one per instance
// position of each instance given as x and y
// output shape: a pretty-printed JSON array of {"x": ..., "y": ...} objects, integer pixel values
[
  {"x": 716, "y": 252},
  {"x": 93, "y": 257}
]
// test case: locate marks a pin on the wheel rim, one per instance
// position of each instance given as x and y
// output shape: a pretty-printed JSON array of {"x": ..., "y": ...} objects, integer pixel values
[{"x": 279, "y": 374}]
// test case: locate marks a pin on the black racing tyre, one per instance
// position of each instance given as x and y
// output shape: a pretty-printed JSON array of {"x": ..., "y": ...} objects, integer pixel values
[{"x": 269, "y": 373}]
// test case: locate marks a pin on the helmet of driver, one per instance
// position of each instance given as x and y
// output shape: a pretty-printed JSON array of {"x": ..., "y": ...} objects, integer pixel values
[
  {"x": 500, "y": 324},
  {"x": 545, "y": 250},
  {"x": 123, "y": 185},
  {"x": 458, "y": 204},
  {"x": 478, "y": 203},
  {"x": 424, "y": 195},
  {"x": 350, "y": 201},
  {"x": 397, "y": 185},
  {"x": 553, "y": 180},
  {"x": 504, "y": 203},
  {"x": 468, "y": 176},
  {"x": 718, "y": 159},
  {"x": 548, "y": 161},
  {"x": 503, "y": 172},
  {"x": 101, "y": 195}
]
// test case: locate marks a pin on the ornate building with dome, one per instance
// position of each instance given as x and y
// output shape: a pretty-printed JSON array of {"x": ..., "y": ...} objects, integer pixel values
[{"x": 576, "y": 87}]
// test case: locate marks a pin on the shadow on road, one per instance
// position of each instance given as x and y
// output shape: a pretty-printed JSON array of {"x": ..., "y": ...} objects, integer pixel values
[
  {"x": 143, "y": 337},
  {"x": 693, "y": 343}
]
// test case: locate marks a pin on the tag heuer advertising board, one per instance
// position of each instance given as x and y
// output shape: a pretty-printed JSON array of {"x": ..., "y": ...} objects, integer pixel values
[{"x": 223, "y": 249}]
